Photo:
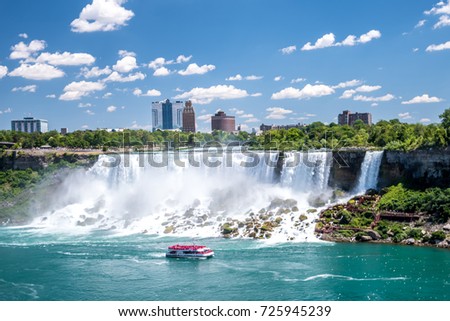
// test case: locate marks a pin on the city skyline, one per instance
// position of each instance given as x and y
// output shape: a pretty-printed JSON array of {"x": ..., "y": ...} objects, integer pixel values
[{"x": 91, "y": 64}]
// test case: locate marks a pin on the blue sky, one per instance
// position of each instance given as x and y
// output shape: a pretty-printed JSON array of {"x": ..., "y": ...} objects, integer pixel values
[{"x": 100, "y": 63}]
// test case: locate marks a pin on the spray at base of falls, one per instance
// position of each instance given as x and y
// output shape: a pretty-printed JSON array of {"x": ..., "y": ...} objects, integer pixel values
[{"x": 231, "y": 195}]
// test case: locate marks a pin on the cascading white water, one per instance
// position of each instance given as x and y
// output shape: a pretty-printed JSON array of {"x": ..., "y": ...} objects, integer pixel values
[
  {"x": 188, "y": 194},
  {"x": 370, "y": 168}
]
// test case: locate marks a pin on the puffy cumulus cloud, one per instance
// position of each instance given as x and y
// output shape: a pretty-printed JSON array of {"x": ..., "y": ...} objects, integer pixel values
[
  {"x": 95, "y": 72},
  {"x": 278, "y": 78},
  {"x": 348, "y": 94},
  {"x": 346, "y": 84},
  {"x": 309, "y": 91},
  {"x": 102, "y": 15},
  {"x": 425, "y": 120},
  {"x": 125, "y": 53},
  {"x": 51, "y": 96},
  {"x": 78, "y": 89},
  {"x": 201, "y": 96},
  {"x": 30, "y": 89},
  {"x": 440, "y": 8},
  {"x": 278, "y": 113},
  {"x": 24, "y": 51},
  {"x": 387, "y": 97},
  {"x": 157, "y": 63},
  {"x": 126, "y": 64},
  {"x": 367, "y": 89},
  {"x": 444, "y": 21},
  {"x": 111, "y": 109},
  {"x": 406, "y": 115},
  {"x": 37, "y": 72},
  {"x": 329, "y": 40},
  {"x": 288, "y": 50},
  {"x": 239, "y": 77},
  {"x": 443, "y": 46},
  {"x": 182, "y": 59},
  {"x": 162, "y": 72},
  {"x": 194, "y": 69},
  {"x": 116, "y": 77},
  {"x": 149, "y": 93},
  {"x": 3, "y": 71},
  {"x": 237, "y": 111},
  {"x": 23, "y": 35},
  {"x": 65, "y": 59},
  {"x": 424, "y": 99}
]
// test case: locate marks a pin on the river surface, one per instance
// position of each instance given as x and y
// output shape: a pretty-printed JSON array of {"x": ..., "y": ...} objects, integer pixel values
[{"x": 35, "y": 265}]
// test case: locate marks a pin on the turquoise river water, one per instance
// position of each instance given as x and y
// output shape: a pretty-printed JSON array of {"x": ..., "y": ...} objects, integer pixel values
[{"x": 103, "y": 266}]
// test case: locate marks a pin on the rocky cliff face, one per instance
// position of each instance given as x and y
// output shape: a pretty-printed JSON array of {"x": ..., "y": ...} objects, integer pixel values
[
  {"x": 420, "y": 169},
  {"x": 20, "y": 160}
]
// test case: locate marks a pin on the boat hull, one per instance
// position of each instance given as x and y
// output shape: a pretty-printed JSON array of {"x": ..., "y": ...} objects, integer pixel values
[{"x": 191, "y": 256}]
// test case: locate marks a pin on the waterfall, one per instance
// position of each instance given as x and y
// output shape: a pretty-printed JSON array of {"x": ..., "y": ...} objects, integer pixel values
[
  {"x": 370, "y": 168},
  {"x": 190, "y": 193}
]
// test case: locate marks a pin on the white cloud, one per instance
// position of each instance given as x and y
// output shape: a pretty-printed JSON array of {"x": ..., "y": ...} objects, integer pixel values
[
  {"x": 420, "y": 24},
  {"x": 182, "y": 59},
  {"x": 107, "y": 95},
  {"x": 327, "y": 40},
  {"x": 111, "y": 109},
  {"x": 6, "y": 111},
  {"x": 207, "y": 95},
  {"x": 66, "y": 59},
  {"x": 277, "y": 113},
  {"x": 288, "y": 50},
  {"x": 51, "y": 96},
  {"x": 253, "y": 77},
  {"x": 387, "y": 97},
  {"x": 37, "y": 72},
  {"x": 237, "y": 111},
  {"x": 443, "y": 46},
  {"x": 23, "y": 35},
  {"x": 247, "y": 116},
  {"x": 205, "y": 118},
  {"x": 256, "y": 95},
  {"x": 238, "y": 77},
  {"x": 415, "y": 49},
  {"x": 252, "y": 120},
  {"x": 161, "y": 72},
  {"x": 30, "y": 89},
  {"x": 309, "y": 91},
  {"x": 150, "y": 93},
  {"x": 278, "y": 78},
  {"x": 102, "y": 15},
  {"x": 95, "y": 72},
  {"x": 371, "y": 35},
  {"x": 23, "y": 51},
  {"x": 406, "y": 115},
  {"x": 297, "y": 80},
  {"x": 86, "y": 105},
  {"x": 85, "y": 126},
  {"x": 90, "y": 112},
  {"x": 126, "y": 64},
  {"x": 425, "y": 120},
  {"x": 3, "y": 71},
  {"x": 346, "y": 84},
  {"x": 440, "y": 8},
  {"x": 424, "y": 99},
  {"x": 77, "y": 90},
  {"x": 374, "y": 104},
  {"x": 348, "y": 94},
  {"x": 116, "y": 77},
  {"x": 157, "y": 63},
  {"x": 444, "y": 21},
  {"x": 367, "y": 89},
  {"x": 194, "y": 69},
  {"x": 126, "y": 53}
]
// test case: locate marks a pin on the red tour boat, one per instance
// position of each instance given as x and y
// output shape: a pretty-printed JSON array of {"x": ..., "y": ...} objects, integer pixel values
[{"x": 189, "y": 251}]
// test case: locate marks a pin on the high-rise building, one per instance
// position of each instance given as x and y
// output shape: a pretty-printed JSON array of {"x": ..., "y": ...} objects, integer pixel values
[
  {"x": 349, "y": 118},
  {"x": 188, "y": 118},
  {"x": 220, "y": 121},
  {"x": 167, "y": 115},
  {"x": 29, "y": 125}
]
